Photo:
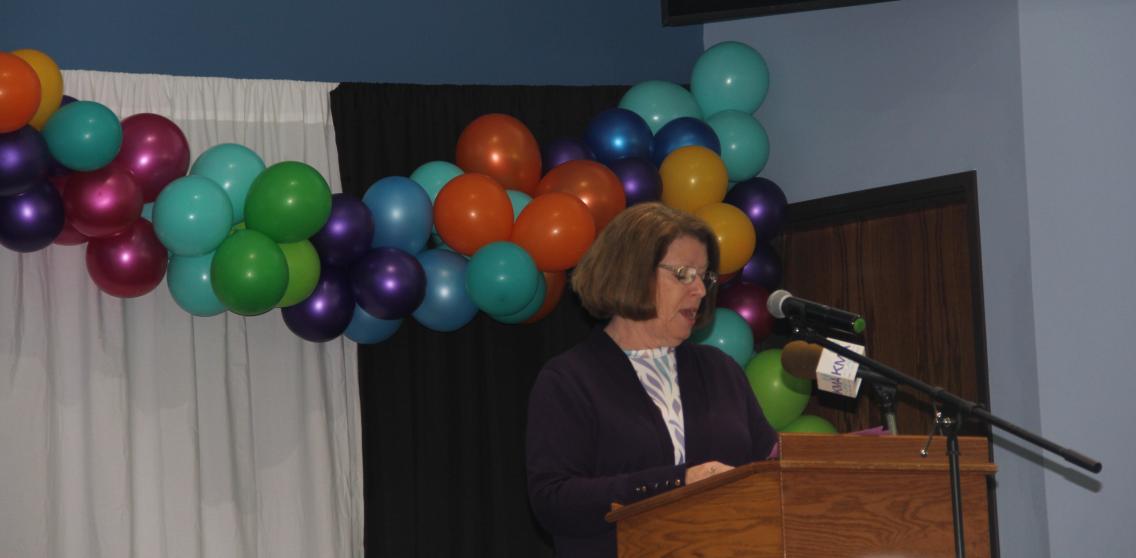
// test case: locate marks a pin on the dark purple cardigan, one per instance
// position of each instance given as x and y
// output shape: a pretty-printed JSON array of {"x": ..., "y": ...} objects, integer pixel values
[{"x": 595, "y": 437}]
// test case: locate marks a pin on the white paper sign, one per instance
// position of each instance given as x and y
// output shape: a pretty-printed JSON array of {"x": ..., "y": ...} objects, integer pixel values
[{"x": 836, "y": 374}]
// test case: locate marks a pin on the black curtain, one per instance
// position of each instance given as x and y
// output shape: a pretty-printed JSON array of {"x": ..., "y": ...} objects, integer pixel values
[{"x": 444, "y": 413}]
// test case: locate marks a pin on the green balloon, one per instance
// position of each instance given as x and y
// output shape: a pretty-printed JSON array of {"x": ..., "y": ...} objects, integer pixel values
[
  {"x": 745, "y": 144},
  {"x": 303, "y": 272},
  {"x": 659, "y": 102},
  {"x": 249, "y": 273},
  {"x": 809, "y": 423},
  {"x": 289, "y": 202},
  {"x": 781, "y": 396}
]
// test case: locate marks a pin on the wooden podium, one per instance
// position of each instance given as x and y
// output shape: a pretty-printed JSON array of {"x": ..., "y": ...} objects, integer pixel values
[{"x": 828, "y": 496}]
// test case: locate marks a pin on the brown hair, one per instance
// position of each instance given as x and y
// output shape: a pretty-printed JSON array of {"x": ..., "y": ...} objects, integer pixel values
[{"x": 616, "y": 277}]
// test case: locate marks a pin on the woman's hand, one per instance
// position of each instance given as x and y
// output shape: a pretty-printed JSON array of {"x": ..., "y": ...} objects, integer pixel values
[{"x": 705, "y": 470}]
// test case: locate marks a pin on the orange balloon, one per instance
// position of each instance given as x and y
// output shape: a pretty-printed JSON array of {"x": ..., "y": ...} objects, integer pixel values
[
  {"x": 555, "y": 281},
  {"x": 50, "y": 84},
  {"x": 471, "y": 211},
  {"x": 595, "y": 185},
  {"x": 19, "y": 93},
  {"x": 502, "y": 147},
  {"x": 555, "y": 229},
  {"x": 736, "y": 237},
  {"x": 693, "y": 176}
]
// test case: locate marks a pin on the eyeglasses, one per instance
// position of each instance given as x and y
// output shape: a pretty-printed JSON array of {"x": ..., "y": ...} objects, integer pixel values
[{"x": 687, "y": 275}]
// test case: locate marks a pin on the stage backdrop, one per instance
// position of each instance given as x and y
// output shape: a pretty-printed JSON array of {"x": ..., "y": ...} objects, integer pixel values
[{"x": 443, "y": 414}]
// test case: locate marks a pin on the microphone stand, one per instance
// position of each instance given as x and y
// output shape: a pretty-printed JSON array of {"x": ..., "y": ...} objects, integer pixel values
[{"x": 949, "y": 419}]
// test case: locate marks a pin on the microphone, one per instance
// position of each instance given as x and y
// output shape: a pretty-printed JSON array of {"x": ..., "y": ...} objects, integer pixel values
[
  {"x": 782, "y": 304},
  {"x": 835, "y": 374}
]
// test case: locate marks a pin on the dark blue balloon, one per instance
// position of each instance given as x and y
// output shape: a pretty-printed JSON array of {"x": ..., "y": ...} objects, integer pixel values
[
  {"x": 347, "y": 233},
  {"x": 324, "y": 315},
  {"x": 763, "y": 202},
  {"x": 561, "y": 150},
  {"x": 366, "y": 329},
  {"x": 763, "y": 268},
  {"x": 447, "y": 306},
  {"x": 682, "y": 132},
  {"x": 24, "y": 160},
  {"x": 618, "y": 134},
  {"x": 388, "y": 283},
  {"x": 66, "y": 100},
  {"x": 640, "y": 178},
  {"x": 31, "y": 219}
]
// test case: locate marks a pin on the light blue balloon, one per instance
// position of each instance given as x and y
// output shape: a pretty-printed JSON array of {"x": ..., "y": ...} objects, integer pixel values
[
  {"x": 148, "y": 212},
  {"x": 659, "y": 102},
  {"x": 447, "y": 306},
  {"x": 233, "y": 167},
  {"x": 188, "y": 278},
  {"x": 366, "y": 329},
  {"x": 530, "y": 308},
  {"x": 729, "y": 332},
  {"x": 403, "y": 214},
  {"x": 83, "y": 135},
  {"x": 745, "y": 145},
  {"x": 519, "y": 200},
  {"x": 433, "y": 175},
  {"x": 729, "y": 76},
  {"x": 501, "y": 278},
  {"x": 192, "y": 216}
]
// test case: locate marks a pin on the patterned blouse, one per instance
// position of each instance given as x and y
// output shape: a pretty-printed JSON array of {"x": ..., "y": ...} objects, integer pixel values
[{"x": 658, "y": 374}]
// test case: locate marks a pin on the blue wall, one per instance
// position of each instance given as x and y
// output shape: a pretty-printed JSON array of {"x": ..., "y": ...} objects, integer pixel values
[{"x": 423, "y": 41}]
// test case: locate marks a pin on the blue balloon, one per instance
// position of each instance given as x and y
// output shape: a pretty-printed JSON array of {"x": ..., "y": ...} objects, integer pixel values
[
  {"x": 366, "y": 329},
  {"x": 83, "y": 135},
  {"x": 447, "y": 306},
  {"x": 192, "y": 216},
  {"x": 618, "y": 134},
  {"x": 519, "y": 200},
  {"x": 232, "y": 166},
  {"x": 189, "y": 281},
  {"x": 402, "y": 212},
  {"x": 530, "y": 308},
  {"x": 730, "y": 333},
  {"x": 682, "y": 132},
  {"x": 501, "y": 278}
]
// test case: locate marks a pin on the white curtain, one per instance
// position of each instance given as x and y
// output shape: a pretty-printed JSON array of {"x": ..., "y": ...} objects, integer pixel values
[{"x": 130, "y": 428}]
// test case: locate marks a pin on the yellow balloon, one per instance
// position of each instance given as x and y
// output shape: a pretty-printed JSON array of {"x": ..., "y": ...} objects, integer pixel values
[
  {"x": 736, "y": 237},
  {"x": 50, "y": 84},
  {"x": 693, "y": 176}
]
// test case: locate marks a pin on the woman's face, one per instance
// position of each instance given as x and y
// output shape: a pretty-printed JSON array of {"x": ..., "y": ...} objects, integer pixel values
[{"x": 676, "y": 304}]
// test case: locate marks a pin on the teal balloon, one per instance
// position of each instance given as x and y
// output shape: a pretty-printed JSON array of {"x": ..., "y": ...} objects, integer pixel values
[
  {"x": 782, "y": 397},
  {"x": 83, "y": 135},
  {"x": 366, "y": 329},
  {"x": 729, "y": 76},
  {"x": 192, "y": 216},
  {"x": 809, "y": 423},
  {"x": 501, "y": 278},
  {"x": 659, "y": 102},
  {"x": 446, "y": 306},
  {"x": 531, "y": 308},
  {"x": 433, "y": 175},
  {"x": 519, "y": 200},
  {"x": 189, "y": 280},
  {"x": 234, "y": 167},
  {"x": 148, "y": 212},
  {"x": 402, "y": 212},
  {"x": 745, "y": 145},
  {"x": 730, "y": 333}
]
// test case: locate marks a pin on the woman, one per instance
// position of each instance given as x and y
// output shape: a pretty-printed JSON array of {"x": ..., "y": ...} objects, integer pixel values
[{"x": 633, "y": 410}]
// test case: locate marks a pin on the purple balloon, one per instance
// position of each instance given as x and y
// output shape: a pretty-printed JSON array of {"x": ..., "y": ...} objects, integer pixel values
[
  {"x": 763, "y": 202},
  {"x": 640, "y": 179},
  {"x": 155, "y": 152},
  {"x": 763, "y": 268},
  {"x": 325, "y": 314},
  {"x": 24, "y": 160},
  {"x": 561, "y": 150},
  {"x": 748, "y": 300},
  {"x": 347, "y": 234},
  {"x": 67, "y": 99},
  {"x": 388, "y": 283},
  {"x": 31, "y": 219}
]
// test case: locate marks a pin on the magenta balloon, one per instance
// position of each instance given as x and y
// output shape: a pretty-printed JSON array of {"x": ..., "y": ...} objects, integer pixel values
[
  {"x": 748, "y": 300},
  {"x": 129, "y": 264},
  {"x": 102, "y": 202},
  {"x": 155, "y": 152},
  {"x": 68, "y": 236}
]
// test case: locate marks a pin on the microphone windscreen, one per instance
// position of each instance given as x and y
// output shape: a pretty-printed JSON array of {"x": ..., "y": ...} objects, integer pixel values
[{"x": 800, "y": 359}]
